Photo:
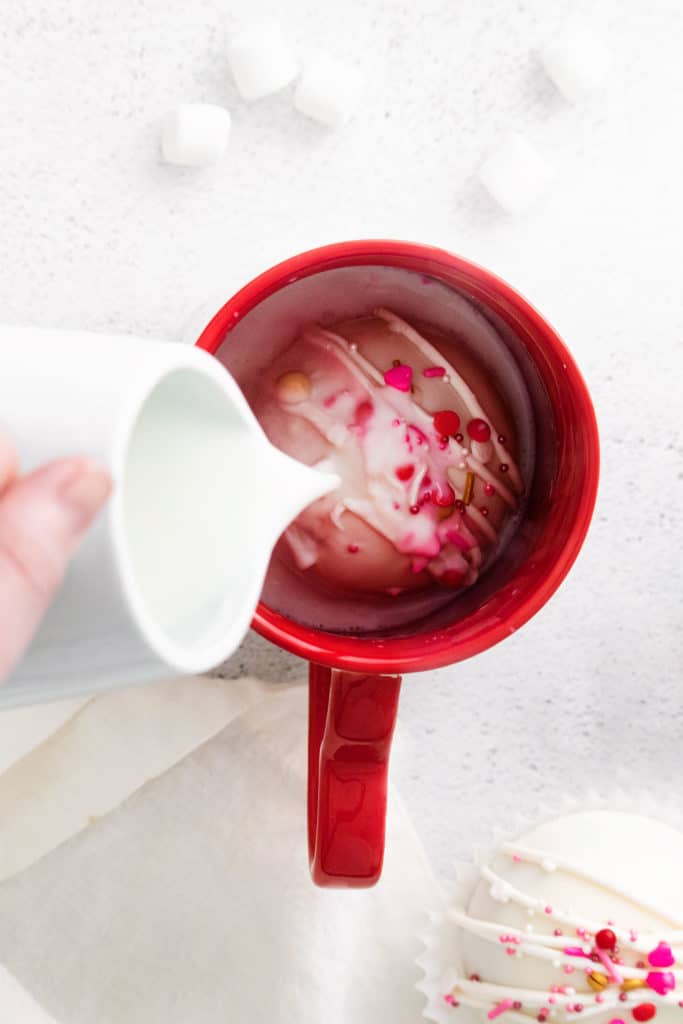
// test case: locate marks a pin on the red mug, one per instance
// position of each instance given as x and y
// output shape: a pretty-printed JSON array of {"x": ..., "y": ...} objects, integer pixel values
[{"x": 355, "y": 680}]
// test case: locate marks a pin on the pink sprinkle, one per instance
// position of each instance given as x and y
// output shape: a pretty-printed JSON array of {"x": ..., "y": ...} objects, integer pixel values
[
  {"x": 352, "y": 549},
  {"x": 399, "y": 377},
  {"x": 552, "y": 1000},
  {"x": 633, "y": 936},
  {"x": 517, "y": 858},
  {"x": 489, "y": 489},
  {"x": 510, "y": 951},
  {"x": 557, "y": 932},
  {"x": 573, "y": 951},
  {"x": 548, "y": 909},
  {"x": 611, "y": 924},
  {"x": 609, "y": 967},
  {"x": 396, "y": 423},
  {"x": 599, "y": 998},
  {"x": 450, "y": 1000},
  {"x": 616, "y": 1020},
  {"x": 502, "y": 1007},
  {"x": 568, "y": 969},
  {"x": 434, "y": 371}
]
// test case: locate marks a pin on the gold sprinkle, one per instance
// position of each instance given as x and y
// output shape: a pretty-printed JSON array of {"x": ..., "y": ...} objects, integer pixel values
[
  {"x": 293, "y": 387},
  {"x": 469, "y": 487},
  {"x": 632, "y": 983},
  {"x": 597, "y": 981}
]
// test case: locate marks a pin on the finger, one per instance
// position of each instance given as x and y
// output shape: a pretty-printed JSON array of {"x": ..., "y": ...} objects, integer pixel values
[
  {"x": 9, "y": 463},
  {"x": 42, "y": 519}
]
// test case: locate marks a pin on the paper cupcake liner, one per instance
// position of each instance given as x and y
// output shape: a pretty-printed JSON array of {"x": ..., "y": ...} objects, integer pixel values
[{"x": 441, "y": 959}]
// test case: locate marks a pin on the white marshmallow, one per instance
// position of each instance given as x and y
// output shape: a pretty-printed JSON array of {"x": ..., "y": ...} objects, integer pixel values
[
  {"x": 261, "y": 60},
  {"x": 577, "y": 61},
  {"x": 195, "y": 134},
  {"x": 515, "y": 174},
  {"x": 329, "y": 90}
]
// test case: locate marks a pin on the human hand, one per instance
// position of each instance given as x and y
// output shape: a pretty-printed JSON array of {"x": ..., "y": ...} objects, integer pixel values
[{"x": 43, "y": 517}]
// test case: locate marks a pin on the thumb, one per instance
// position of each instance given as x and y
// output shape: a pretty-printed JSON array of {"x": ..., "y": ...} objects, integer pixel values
[{"x": 42, "y": 519}]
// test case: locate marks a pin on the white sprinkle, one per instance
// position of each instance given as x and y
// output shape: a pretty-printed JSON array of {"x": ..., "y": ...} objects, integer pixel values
[{"x": 548, "y": 865}]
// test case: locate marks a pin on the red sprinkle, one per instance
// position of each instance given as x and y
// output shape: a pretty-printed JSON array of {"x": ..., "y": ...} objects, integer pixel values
[
  {"x": 502, "y": 439},
  {"x": 460, "y": 505},
  {"x": 414, "y": 509},
  {"x": 364, "y": 411},
  {"x": 443, "y": 498},
  {"x": 434, "y": 371},
  {"x": 446, "y": 422},
  {"x": 643, "y": 1012},
  {"x": 479, "y": 430},
  {"x": 504, "y": 468},
  {"x": 605, "y": 938},
  {"x": 405, "y": 472},
  {"x": 459, "y": 438},
  {"x": 484, "y": 511},
  {"x": 489, "y": 489}
]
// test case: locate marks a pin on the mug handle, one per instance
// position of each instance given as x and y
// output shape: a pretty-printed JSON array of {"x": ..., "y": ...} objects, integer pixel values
[{"x": 351, "y": 724}]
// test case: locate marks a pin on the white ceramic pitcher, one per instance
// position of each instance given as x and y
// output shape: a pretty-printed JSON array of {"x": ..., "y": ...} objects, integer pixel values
[{"x": 169, "y": 576}]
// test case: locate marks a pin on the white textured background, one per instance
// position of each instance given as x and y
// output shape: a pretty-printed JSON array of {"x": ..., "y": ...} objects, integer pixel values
[{"x": 94, "y": 233}]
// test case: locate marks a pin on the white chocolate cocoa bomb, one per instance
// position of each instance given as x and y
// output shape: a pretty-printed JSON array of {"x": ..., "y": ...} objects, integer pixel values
[
  {"x": 423, "y": 444},
  {"x": 559, "y": 891}
]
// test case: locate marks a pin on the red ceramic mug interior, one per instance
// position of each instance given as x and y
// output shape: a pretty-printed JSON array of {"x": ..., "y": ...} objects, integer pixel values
[{"x": 355, "y": 680}]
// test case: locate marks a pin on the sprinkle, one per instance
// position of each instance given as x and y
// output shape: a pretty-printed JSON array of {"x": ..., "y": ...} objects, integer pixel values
[
  {"x": 599, "y": 998},
  {"x": 548, "y": 909},
  {"x": 414, "y": 509},
  {"x": 474, "y": 977},
  {"x": 609, "y": 967},
  {"x": 459, "y": 438},
  {"x": 479, "y": 430},
  {"x": 517, "y": 858},
  {"x": 568, "y": 969},
  {"x": 501, "y": 439},
  {"x": 434, "y": 371},
  {"x": 661, "y": 956},
  {"x": 510, "y": 951},
  {"x": 446, "y": 422},
  {"x": 399, "y": 377},
  {"x": 404, "y": 473},
  {"x": 395, "y": 362},
  {"x": 396, "y": 423},
  {"x": 574, "y": 951},
  {"x": 632, "y": 983},
  {"x": 605, "y": 939},
  {"x": 623, "y": 997},
  {"x": 469, "y": 485},
  {"x": 293, "y": 387},
  {"x": 489, "y": 490},
  {"x": 451, "y": 1000},
  {"x": 352, "y": 549},
  {"x": 443, "y": 498},
  {"x": 557, "y": 932},
  {"x": 661, "y": 982},
  {"x": 633, "y": 936},
  {"x": 643, "y": 1012},
  {"x": 484, "y": 511},
  {"x": 597, "y": 980},
  {"x": 616, "y": 1020},
  {"x": 516, "y": 1005},
  {"x": 504, "y": 467},
  {"x": 460, "y": 505},
  {"x": 502, "y": 1007},
  {"x": 549, "y": 865}
]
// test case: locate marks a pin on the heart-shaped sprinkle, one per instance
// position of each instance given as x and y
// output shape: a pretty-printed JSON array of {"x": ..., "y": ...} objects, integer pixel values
[
  {"x": 399, "y": 377},
  {"x": 661, "y": 956},
  {"x": 661, "y": 982}
]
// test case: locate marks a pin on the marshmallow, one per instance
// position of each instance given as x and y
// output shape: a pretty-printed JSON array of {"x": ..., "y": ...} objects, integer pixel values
[
  {"x": 515, "y": 174},
  {"x": 577, "y": 62},
  {"x": 329, "y": 90},
  {"x": 195, "y": 134},
  {"x": 261, "y": 60}
]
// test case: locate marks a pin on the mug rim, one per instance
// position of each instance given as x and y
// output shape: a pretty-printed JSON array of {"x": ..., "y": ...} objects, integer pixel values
[{"x": 424, "y": 650}]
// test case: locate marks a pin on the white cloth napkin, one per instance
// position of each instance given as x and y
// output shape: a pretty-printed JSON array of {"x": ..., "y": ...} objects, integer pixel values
[{"x": 190, "y": 901}]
